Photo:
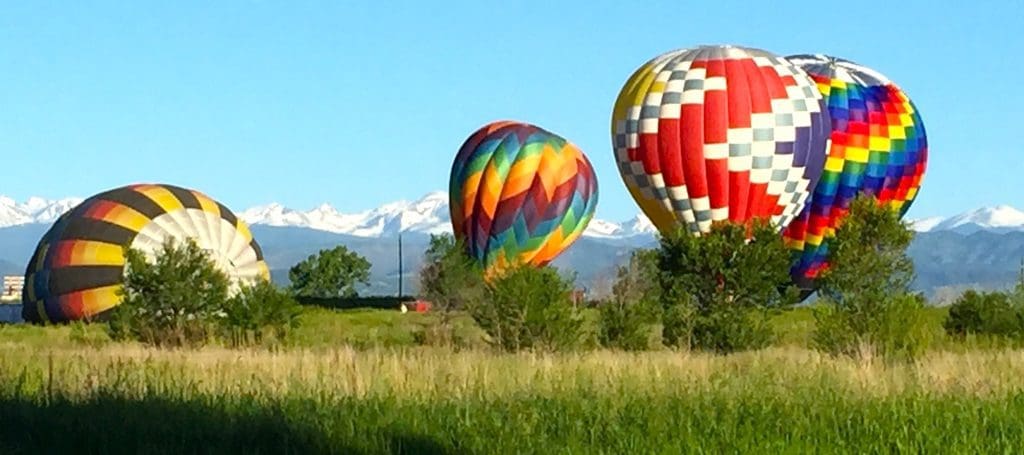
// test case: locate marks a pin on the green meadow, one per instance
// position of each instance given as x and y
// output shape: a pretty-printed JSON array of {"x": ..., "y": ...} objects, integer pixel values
[{"x": 361, "y": 382}]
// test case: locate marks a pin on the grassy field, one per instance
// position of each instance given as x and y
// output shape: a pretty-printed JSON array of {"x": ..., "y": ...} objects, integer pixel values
[
  {"x": 323, "y": 329},
  {"x": 354, "y": 382}
]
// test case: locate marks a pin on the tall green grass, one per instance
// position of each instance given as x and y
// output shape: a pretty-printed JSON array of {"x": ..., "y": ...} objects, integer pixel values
[
  {"x": 70, "y": 389},
  {"x": 424, "y": 400}
]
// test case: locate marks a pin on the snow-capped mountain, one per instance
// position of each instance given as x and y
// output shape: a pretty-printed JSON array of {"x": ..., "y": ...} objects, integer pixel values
[
  {"x": 429, "y": 215},
  {"x": 1001, "y": 218},
  {"x": 926, "y": 224},
  {"x": 34, "y": 210}
]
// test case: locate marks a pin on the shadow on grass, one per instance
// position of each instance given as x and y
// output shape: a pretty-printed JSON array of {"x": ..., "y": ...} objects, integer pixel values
[{"x": 158, "y": 425}]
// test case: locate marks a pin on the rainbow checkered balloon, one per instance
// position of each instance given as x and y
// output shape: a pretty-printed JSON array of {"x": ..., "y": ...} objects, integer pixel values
[
  {"x": 519, "y": 194},
  {"x": 878, "y": 147}
]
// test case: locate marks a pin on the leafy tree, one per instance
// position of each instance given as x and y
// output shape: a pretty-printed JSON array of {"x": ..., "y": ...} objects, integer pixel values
[
  {"x": 718, "y": 289},
  {"x": 257, "y": 310},
  {"x": 867, "y": 303},
  {"x": 330, "y": 273},
  {"x": 626, "y": 319},
  {"x": 998, "y": 314},
  {"x": 174, "y": 300},
  {"x": 451, "y": 280},
  {"x": 983, "y": 313},
  {"x": 530, "y": 308}
]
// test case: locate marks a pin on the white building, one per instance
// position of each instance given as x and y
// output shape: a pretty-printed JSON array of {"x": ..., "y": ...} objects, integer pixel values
[{"x": 13, "y": 285}]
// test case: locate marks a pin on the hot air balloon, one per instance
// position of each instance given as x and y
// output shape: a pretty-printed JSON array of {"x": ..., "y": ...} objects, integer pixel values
[
  {"x": 78, "y": 266},
  {"x": 878, "y": 148},
  {"x": 520, "y": 195},
  {"x": 719, "y": 133}
]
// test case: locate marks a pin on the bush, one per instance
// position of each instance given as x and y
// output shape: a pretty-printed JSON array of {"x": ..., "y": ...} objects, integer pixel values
[
  {"x": 718, "y": 289},
  {"x": 176, "y": 300},
  {"x": 867, "y": 303},
  {"x": 626, "y": 320},
  {"x": 258, "y": 310},
  {"x": 984, "y": 313},
  {"x": 530, "y": 308},
  {"x": 678, "y": 323},
  {"x": 181, "y": 298},
  {"x": 899, "y": 329},
  {"x": 732, "y": 328}
]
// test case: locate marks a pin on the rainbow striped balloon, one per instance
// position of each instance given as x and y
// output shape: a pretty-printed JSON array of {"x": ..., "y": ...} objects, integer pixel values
[
  {"x": 878, "y": 148},
  {"x": 519, "y": 195}
]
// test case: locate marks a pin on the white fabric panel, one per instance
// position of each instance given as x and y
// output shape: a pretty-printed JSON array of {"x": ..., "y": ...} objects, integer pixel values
[{"x": 228, "y": 249}]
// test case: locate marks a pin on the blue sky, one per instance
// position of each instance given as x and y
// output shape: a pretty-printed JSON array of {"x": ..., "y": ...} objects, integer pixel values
[{"x": 361, "y": 103}]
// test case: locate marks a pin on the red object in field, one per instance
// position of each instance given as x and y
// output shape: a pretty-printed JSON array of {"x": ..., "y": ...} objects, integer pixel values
[{"x": 421, "y": 306}]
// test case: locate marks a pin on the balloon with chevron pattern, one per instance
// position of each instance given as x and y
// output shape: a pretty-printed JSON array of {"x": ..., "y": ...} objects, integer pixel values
[{"x": 519, "y": 195}]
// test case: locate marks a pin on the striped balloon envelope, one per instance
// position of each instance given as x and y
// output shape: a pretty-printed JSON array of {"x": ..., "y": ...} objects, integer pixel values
[
  {"x": 77, "y": 269},
  {"x": 878, "y": 148},
  {"x": 519, "y": 195},
  {"x": 719, "y": 133}
]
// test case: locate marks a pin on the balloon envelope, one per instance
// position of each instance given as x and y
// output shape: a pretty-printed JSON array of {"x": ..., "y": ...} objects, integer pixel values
[
  {"x": 519, "y": 194},
  {"x": 878, "y": 148},
  {"x": 719, "y": 133},
  {"x": 77, "y": 268}
]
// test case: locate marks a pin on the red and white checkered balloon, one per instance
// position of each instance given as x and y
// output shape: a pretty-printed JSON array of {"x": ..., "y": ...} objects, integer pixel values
[{"x": 719, "y": 133}]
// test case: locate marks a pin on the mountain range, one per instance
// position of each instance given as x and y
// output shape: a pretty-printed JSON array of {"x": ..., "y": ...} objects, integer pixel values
[
  {"x": 981, "y": 248},
  {"x": 429, "y": 215}
]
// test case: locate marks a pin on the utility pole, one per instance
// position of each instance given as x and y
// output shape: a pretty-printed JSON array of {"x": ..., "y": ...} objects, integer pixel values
[
  {"x": 399, "y": 266},
  {"x": 1020, "y": 279}
]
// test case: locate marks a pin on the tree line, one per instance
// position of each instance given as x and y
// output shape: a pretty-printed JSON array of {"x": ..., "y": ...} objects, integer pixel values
[{"x": 715, "y": 292}]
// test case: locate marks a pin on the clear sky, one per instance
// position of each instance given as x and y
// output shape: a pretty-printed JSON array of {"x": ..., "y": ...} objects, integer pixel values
[{"x": 361, "y": 103}]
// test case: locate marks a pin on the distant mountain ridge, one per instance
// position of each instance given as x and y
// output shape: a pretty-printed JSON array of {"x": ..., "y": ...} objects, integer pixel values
[
  {"x": 1001, "y": 218},
  {"x": 429, "y": 215},
  {"x": 34, "y": 210},
  {"x": 980, "y": 248}
]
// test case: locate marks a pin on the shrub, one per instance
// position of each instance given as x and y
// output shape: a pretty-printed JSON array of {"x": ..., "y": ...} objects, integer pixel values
[
  {"x": 717, "y": 289},
  {"x": 175, "y": 300},
  {"x": 181, "y": 298},
  {"x": 984, "y": 313},
  {"x": 625, "y": 320},
  {"x": 867, "y": 303},
  {"x": 257, "y": 310},
  {"x": 530, "y": 308},
  {"x": 899, "y": 329},
  {"x": 678, "y": 323}
]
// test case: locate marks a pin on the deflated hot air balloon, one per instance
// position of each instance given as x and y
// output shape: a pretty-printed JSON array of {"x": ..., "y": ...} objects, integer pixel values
[
  {"x": 519, "y": 195},
  {"x": 78, "y": 267},
  {"x": 878, "y": 148},
  {"x": 719, "y": 133}
]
